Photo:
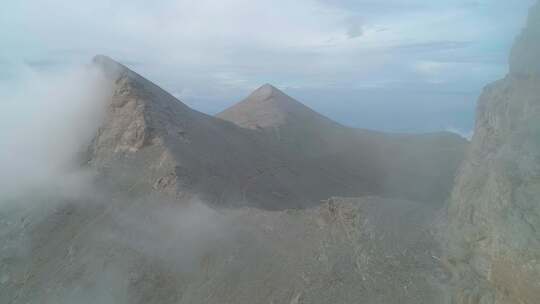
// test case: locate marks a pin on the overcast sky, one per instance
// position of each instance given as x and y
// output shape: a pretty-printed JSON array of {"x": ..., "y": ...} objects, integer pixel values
[{"x": 398, "y": 65}]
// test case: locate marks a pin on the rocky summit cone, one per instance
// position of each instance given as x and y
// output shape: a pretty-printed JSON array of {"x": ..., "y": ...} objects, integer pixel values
[
  {"x": 139, "y": 113},
  {"x": 296, "y": 126},
  {"x": 269, "y": 107},
  {"x": 108, "y": 65}
]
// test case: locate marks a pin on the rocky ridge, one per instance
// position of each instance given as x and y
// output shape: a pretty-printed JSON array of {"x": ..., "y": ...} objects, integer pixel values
[
  {"x": 418, "y": 167},
  {"x": 150, "y": 140}
]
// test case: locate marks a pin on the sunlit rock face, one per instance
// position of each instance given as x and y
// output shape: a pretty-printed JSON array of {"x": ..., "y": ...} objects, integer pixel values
[{"x": 494, "y": 214}]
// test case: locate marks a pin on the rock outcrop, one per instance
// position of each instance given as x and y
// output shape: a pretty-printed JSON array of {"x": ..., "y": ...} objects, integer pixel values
[
  {"x": 494, "y": 214},
  {"x": 269, "y": 107},
  {"x": 418, "y": 167}
]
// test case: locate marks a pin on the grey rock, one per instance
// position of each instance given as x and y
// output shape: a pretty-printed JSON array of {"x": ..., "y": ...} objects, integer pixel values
[
  {"x": 281, "y": 155},
  {"x": 133, "y": 251},
  {"x": 494, "y": 213},
  {"x": 143, "y": 238},
  {"x": 418, "y": 167}
]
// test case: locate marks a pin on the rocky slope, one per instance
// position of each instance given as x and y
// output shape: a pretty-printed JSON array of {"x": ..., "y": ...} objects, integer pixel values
[
  {"x": 418, "y": 167},
  {"x": 494, "y": 215},
  {"x": 148, "y": 250},
  {"x": 293, "y": 124},
  {"x": 152, "y": 141}
]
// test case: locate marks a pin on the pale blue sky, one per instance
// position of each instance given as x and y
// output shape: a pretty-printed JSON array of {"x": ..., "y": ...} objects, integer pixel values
[{"x": 399, "y": 65}]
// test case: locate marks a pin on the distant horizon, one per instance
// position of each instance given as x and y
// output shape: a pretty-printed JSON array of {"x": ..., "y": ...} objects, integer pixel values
[
  {"x": 337, "y": 111},
  {"x": 321, "y": 108},
  {"x": 256, "y": 151},
  {"x": 414, "y": 66}
]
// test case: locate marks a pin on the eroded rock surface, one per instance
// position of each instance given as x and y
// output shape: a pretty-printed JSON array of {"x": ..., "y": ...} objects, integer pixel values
[{"x": 494, "y": 215}]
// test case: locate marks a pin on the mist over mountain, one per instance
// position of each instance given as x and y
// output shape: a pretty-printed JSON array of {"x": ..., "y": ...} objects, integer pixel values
[
  {"x": 48, "y": 120},
  {"x": 115, "y": 191},
  {"x": 171, "y": 198}
]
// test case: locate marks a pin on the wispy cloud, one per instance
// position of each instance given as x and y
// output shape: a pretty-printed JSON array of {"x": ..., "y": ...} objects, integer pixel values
[
  {"x": 40, "y": 146},
  {"x": 225, "y": 48},
  {"x": 465, "y": 134}
]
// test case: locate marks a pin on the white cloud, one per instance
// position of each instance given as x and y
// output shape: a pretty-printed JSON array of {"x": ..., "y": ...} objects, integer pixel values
[
  {"x": 207, "y": 35},
  {"x": 431, "y": 68},
  {"x": 47, "y": 118},
  {"x": 465, "y": 134},
  {"x": 220, "y": 49}
]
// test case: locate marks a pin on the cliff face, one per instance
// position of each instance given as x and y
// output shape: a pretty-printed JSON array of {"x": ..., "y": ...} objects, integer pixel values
[{"x": 494, "y": 213}]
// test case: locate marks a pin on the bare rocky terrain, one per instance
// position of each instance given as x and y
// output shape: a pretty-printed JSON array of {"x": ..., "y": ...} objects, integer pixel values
[
  {"x": 418, "y": 167},
  {"x": 494, "y": 215},
  {"x": 180, "y": 151},
  {"x": 271, "y": 202},
  {"x": 152, "y": 251},
  {"x": 189, "y": 208}
]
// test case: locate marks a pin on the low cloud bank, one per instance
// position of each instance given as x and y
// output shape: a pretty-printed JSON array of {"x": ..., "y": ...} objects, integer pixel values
[
  {"x": 57, "y": 223},
  {"x": 47, "y": 120}
]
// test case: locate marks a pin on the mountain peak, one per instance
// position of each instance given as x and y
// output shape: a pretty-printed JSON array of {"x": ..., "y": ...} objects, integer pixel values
[
  {"x": 108, "y": 65},
  {"x": 104, "y": 60},
  {"x": 265, "y": 92},
  {"x": 268, "y": 86},
  {"x": 268, "y": 106},
  {"x": 139, "y": 114}
]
